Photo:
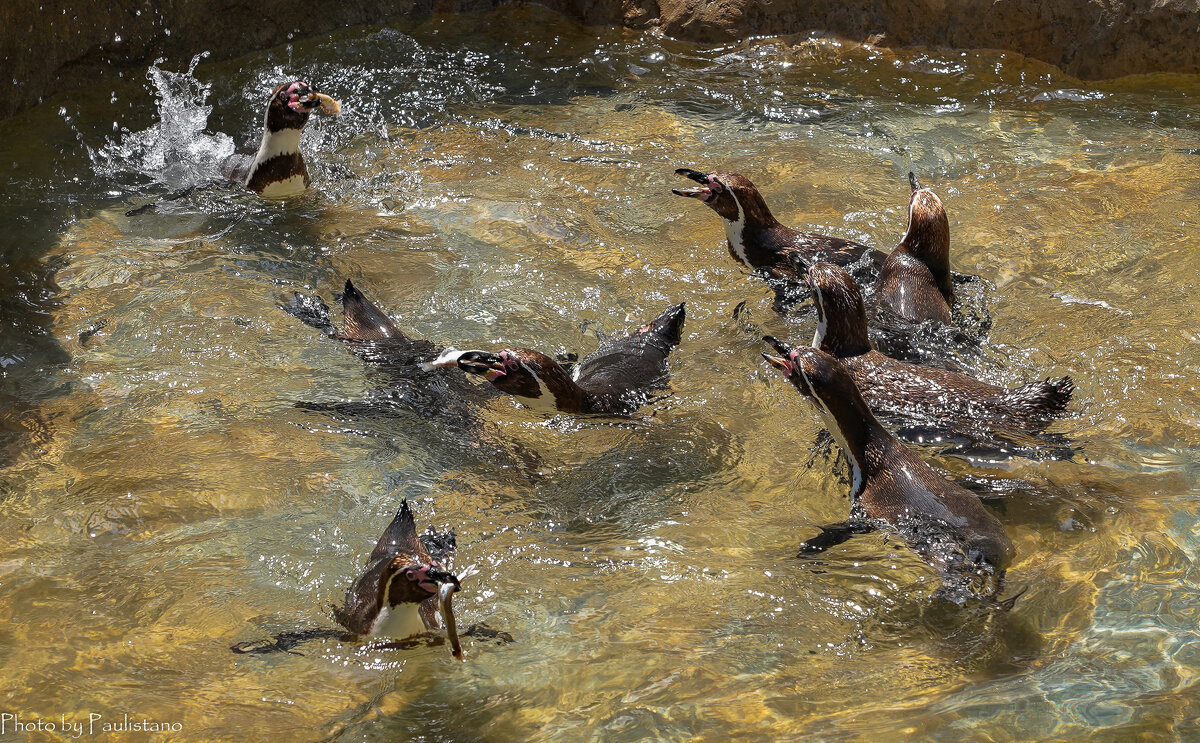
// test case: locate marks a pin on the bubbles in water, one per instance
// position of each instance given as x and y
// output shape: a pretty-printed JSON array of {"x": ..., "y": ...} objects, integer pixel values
[{"x": 176, "y": 151}]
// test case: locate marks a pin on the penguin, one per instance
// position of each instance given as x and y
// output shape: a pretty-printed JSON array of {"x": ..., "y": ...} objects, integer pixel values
[
  {"x": 405, "y": 580},
  {"x": 614, "y": 380},
  {"x": 899, "y": 388},
  {"x": 277, "y": 170},
  {"x": 760, "y": 242},
  {"x": 915, "y": 282},
  {"x": 893, "y": 489}
]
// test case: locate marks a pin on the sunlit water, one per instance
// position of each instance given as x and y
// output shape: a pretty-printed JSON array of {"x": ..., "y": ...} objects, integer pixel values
[{"x": 504, "y": 179}]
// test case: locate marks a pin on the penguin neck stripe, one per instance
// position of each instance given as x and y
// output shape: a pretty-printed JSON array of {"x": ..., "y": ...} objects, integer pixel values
[
  {"x": 735, "y": 232},
  {"x": 831, "y": 421}
]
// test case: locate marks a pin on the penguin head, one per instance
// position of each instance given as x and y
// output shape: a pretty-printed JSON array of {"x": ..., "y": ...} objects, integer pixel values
[{"x": 292, "y": 103}]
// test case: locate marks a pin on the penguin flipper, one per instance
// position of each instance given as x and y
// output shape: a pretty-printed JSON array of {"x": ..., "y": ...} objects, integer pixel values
[
  {"x": 832, "y": 536},
  {"x": 285, "y": 641}
]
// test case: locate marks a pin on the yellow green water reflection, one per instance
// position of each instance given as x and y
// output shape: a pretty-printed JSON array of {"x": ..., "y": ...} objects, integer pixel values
[{"x": 504, "y": 179}]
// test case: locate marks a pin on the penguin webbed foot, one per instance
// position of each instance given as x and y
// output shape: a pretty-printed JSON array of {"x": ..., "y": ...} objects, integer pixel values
[
  {"x": 310, "y": 310},
  {"x": 483, "y": 632},
  {"x": 832, "y": 536},
  {"x": 285, "y": 641}
]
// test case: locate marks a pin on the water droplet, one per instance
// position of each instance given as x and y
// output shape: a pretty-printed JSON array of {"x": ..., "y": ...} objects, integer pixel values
[{"x": 117, "y": 39}]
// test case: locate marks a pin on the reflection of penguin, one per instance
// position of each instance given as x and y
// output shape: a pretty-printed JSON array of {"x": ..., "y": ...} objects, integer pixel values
[
  {"x": 757, "y": 240},
  {"x": 915, "y": 281},
  {"x": 278, "y": 170},
  {"x": 895, "y": 489},
  {"x": 614, "y": 380},
  {"x": 900, "y": 388}
]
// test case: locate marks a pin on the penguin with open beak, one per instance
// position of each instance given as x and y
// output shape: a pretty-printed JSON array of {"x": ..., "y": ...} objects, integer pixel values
[
  {"x": 759, "y": 241},
  {"x": 893, "y": 489}
]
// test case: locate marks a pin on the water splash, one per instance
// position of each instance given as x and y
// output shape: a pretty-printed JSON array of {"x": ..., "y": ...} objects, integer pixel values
[{"x": 177, "y": 151}]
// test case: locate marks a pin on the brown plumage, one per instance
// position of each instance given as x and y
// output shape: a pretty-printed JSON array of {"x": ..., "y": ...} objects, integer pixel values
[
  {"x": 893, "y": 488},
  {"x": 915, "y": 282},
  {"x": 757, "y": 239},
  {"x": 909, "y": 390},
  {"x": 401, "y": 576}
]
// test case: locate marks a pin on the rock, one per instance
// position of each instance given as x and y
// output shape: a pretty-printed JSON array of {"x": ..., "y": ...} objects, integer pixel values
[{"x": 51, "y": 45}]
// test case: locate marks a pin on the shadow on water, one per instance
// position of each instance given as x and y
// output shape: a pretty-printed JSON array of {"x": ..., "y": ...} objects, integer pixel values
[{"x": 38, "y": 202}]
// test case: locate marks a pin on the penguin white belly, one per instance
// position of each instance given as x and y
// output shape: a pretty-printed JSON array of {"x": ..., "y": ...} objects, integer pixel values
[
  {"x": 398, "y": 622},
  {"x": 285, "y": 188}
]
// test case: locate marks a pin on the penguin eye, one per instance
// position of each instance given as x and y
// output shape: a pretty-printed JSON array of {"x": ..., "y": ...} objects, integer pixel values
[
  {"x": 715, "y": 186},
  {"x": 511, "y": 363},
  {"x": 410, "y": 574}
]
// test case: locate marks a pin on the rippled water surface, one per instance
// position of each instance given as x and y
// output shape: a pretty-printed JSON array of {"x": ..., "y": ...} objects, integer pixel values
[{"x": 504, "y": 179}]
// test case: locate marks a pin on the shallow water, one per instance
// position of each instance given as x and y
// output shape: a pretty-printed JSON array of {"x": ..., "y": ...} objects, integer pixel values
[{"x": 504, "y": 179}]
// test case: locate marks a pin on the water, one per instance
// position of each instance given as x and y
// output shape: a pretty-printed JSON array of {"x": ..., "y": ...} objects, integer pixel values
[{"x": 504, "y": 179}]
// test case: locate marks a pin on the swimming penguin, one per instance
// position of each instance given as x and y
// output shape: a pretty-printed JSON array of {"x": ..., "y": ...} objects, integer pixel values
[
  {"x": 759, "y": 241},
  {"x": 278, "y": 171},
  {"x": 614, "y": 380},
  {"x": 895, "y": 490},
  {"x": 404, "y": 585},
  {"x": 915, "y": 283},
  {"x": 369, "y": 334},
  {"x": 908, "y": 390}
]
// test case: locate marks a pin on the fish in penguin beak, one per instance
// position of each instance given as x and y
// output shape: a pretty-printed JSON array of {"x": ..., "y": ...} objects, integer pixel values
[
  {"x": 442, "y": 577},
  {"x": 704, "y": 192},
  {"x": 304, "y": 98},
  {"x": 490, "y": 366}
]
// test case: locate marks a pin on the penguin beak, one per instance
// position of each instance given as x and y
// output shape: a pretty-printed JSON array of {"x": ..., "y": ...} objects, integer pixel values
[
  {"x": 304, "y": 98},
  {"x": 488, "y": 365},
  {"x": 912, "y": 181},
  {"x": 704, "y": 192},
  {"x": 783, "y": 363},
  {"x": 443, "y": 576}
]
